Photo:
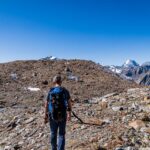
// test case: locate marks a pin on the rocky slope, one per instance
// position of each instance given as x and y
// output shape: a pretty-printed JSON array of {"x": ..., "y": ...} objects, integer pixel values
[
  {"x": 24, "y": 85},
  {"x": 117, "y": 121},
  {"x": 84, "y": 79}
]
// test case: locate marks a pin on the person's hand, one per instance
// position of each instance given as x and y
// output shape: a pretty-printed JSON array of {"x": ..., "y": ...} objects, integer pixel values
[
  {"x": 69, "y": 116},
  {"x": 46, "y": 119}
]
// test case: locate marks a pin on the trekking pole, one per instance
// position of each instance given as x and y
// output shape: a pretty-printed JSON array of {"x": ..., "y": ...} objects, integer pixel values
[{"x": 80, "y": 120}]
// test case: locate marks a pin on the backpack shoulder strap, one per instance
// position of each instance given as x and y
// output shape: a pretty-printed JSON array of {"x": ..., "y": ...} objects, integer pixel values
[
  {"x": 51, "y": 89},
  {"x": 63, "y": 88},
  {"x": 67, "y": 95}
]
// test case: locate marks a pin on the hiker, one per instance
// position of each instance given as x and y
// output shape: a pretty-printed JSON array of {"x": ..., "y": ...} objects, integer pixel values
[{"x": 58, "y": 111}]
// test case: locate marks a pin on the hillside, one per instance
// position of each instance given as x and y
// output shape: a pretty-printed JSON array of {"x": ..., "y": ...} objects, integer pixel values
[{"x": 91, "y": 79}]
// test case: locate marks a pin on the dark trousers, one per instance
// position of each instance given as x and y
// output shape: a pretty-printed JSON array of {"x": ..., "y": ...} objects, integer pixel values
[{"x": 54, "y": 126}]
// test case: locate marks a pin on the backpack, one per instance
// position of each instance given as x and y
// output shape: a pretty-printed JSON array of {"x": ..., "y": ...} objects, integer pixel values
[{"x": 57, "y": 103}]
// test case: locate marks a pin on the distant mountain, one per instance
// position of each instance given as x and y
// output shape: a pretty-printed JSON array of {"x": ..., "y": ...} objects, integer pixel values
[
  {"x": 144, "y": 79},
  {"x": 146, "y": 64},
  {"x": 115, "y": 69},
  {"x": 131, "y": 70},
  {"x": 49, "y": 58},
  {"x": 130, "y": 63}
]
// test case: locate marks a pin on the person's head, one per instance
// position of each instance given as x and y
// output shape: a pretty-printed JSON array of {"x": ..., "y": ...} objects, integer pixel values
[{"x": 57, "y": 80}]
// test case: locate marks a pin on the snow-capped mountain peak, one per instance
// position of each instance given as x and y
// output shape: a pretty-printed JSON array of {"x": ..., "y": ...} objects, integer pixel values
[
  {"x": 130, "y": 63},
  {"x": 131, "y": 70},
  {"x": 49, "y": 58}
]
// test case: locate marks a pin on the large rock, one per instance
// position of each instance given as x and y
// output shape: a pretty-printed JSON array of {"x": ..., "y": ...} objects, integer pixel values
[{"x": 137, "y": 124}]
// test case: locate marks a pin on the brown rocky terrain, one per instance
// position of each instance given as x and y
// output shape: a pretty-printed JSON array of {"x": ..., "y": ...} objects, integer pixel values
[
  {"x": 118, "y": 120},
  {"x": 91, "y": 79}
]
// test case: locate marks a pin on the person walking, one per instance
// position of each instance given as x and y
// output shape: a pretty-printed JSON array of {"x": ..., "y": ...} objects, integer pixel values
[{"x": 57, "y": 112}]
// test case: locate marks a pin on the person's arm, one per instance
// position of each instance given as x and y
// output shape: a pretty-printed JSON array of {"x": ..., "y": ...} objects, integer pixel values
[
  {"x": 69, "y": 105},
  {"x": 46, "y": 112},
  {"x": 69, "y": 110}
]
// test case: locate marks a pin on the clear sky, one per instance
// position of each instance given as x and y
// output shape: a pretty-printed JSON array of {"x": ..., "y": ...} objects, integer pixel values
[{"x": 105, "y": 31}]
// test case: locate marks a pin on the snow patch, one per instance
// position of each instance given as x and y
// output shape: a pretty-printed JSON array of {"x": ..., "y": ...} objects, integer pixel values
[
  {"x": 115, "y": 69},
  {"x": 33, "y": 89}
]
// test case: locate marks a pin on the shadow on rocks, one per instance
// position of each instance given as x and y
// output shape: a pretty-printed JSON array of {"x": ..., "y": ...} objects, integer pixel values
[{"x": 101, "y": 148}]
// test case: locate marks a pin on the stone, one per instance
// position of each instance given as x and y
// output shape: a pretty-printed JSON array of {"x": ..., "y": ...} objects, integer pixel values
[
  {"x": 109, "y": 95},
  {"x": 5, "y": 121},
  {"x": 146, "y": 98},
  {"x": 133, "y": 90},
  {"x": 29, "y": 120},
  {"x": 33, "y": 89},
  {"x": 45, "y": 82},
  {"x": 147, "y": 130},
  {"x": 95, "y": 121},
  {"x": 117, "y": 108},
  {"x": 125, "y": 148},
  {"x": 137, "y": 124},
  {"x": 126, "y": 118},
  {"x": 12, "y": 135},
  {"x": 83, "y": 127},
  {"x": 115, "y": 143},
  {"x": 34, "y": 74},
  {"x": 17, "y": 147},
  {"x": 41, "y": 135},
  {"x": 14, "y": 76},
  {"x": 134, "y": 106},
  {"x": 8, "y": 148},
  {"x": 20, "y": 142},
  {"x": 146, "y": 118},
  {"x": 93, "y": 101},
  {"x": 74, "y": 78},
  {"x": 12, "y": 125},
  {"x": 76, "y": 126},
  {"x": 107, "y": 120},
  {"x": 104, "y": 105}
]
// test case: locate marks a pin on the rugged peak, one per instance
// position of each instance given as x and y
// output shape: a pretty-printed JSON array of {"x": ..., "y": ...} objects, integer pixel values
[
  {"x": 145, "y": 79},
  {"x": 131, "y": 70},
  {"x": 130, "y": 63}
]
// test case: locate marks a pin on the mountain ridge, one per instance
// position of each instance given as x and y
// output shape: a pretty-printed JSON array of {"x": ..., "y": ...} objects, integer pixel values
[{"x": 131, "y": 70}]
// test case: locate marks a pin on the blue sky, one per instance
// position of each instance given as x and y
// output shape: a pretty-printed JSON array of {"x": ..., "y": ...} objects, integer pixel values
[{"x": 105, "y": 31}]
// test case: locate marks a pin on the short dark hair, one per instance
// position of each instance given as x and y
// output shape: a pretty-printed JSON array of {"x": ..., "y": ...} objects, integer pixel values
[{"x": 57, "y": 79}]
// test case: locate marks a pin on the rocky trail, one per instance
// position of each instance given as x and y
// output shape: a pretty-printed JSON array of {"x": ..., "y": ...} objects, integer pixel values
[{"x": 112, "y": 122}]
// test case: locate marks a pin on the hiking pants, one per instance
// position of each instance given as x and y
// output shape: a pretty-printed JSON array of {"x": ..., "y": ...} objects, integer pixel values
[{"x": 54, "y": 126}]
